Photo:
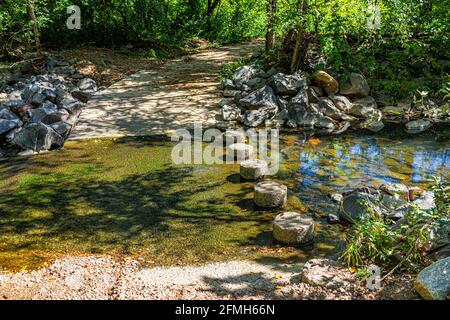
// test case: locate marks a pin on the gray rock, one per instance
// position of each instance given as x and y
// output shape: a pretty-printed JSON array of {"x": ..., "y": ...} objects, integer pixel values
[
  {"x": 396, "y": 189},
  {"x": 262, "y": 98},
  {"x": 313, "y": 97},
  {"x": 243, "y": 75},
  {"x": 356, "y": 86},
  {"x": 254, "y": 82},
  {"x": 29, "y": 91},
  {"x": 426, "y": 201},
  {"x": 8, "y": 115},
  {"x": 254, "y": 118},
  {"x": 49, "y": 94},
  {"x": 287, "y": 84},
  {"x": 83, "y": 96},
  {"x": 87, "y": 84},
  {"x": 231, "y": 93},
  {"x": 37, "y": 99},
  {"x": 62, "y": 128},
  {"x": 433, "y": 282},
  {"x": 7, "y": 125},
  {"x": 327, "y": 107},
  {"x": 342, "y": 103},
  {"x": 47, "y": 109},
  {"x": 228, "y": 84},
  {"x": 73, "y": 106},
  {"x": 333, "y": 218},
  {"x": 417, "y": 126},
  {"x": 231, "y": 113},
  {"x": 13, "y": 103},
  {"x": 294, "y": 229},
  {"x": 374, "y": 126},
  {"x": 365, "y": 108},
  {"x": 38, "y": 137},
  {"x": 358, "y": 205}
]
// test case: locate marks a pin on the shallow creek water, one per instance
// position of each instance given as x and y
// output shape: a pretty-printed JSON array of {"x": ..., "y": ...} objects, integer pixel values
[{"x": 125, "y": 196}]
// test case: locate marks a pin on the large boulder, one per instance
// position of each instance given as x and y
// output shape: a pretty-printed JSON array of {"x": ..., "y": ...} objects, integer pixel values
[
  {"x": 243, "y": 75},
  {"x": 7, "y": 125},
  {"x": 358, "y": 205},
  {"x": 262, "y": 98},
  {"x": 356, "y": 86},
  {"x": 38, "y": 137},
  {"x": 433, "y": 282},
  {"x": 325, "y": 81},
  {"x": 292, "y": 228},
  {"x": 287, "y": 84}
]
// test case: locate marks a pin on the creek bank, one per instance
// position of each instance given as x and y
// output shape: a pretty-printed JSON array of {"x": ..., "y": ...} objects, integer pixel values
[
  {"x": 318, "y": 102},
  {"x": 38, "y": 112}
]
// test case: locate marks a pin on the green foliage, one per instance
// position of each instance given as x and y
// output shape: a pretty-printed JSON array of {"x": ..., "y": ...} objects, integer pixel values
[
  {"x": 378, "y": 240},
  {"x": 142, "y": 23}
]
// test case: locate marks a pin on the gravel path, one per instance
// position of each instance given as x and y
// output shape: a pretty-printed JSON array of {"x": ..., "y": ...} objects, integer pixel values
[
  {"x": 104, "y": 277},
  {"x": 170, "y": 96}
]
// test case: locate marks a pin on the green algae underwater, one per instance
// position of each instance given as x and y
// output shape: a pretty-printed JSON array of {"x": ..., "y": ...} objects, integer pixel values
[{"x": 125, "y": 197}]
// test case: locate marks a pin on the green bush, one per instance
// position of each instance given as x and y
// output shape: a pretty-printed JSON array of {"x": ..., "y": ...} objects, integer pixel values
[{"x": 378, "y": 240}]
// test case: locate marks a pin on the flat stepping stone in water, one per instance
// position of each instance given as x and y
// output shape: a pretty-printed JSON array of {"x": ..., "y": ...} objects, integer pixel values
[
  {"x": 269, "y": 194},
  {"x": 240, "y": 152},
  {"x": 253, "y": 169},
  {"x": 294, "y": 229},
  {"x": 233, "y": 136}
]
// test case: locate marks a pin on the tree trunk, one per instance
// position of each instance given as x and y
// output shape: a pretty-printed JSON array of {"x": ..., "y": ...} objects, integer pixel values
[
  {"x": 37, "y": 39},
  {"x": 301, "y": 31},
  {"x": 270, "y": 35}
]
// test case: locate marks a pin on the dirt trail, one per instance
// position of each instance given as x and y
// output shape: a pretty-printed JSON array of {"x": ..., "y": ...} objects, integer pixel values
[{"x": 168, "y": 97}]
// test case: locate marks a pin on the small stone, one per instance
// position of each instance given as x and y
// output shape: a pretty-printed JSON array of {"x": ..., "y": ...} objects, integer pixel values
[
  {"x": 333, "y": 218},
  {"x": 375, "y": 126},
  {"x": 292, "y": 228},
  {"x": 87, "y": 84},
  {"x": 269, "y": 194},
  {"x": 253, "y": 169}
]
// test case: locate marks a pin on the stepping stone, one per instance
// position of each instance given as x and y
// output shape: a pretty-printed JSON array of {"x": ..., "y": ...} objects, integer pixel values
[
  {"x": 269, "y": 194},
  {"x": 240, "y": 152},
  {"x": 233, "y": 136},
  {"x": 253, "y": 169},
  {"x": 292, "y": 228}
]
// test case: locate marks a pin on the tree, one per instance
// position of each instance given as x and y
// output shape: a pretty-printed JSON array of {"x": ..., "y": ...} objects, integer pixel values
[
  {"x": 37, "y": 40},
  {"x": 270, "y": 35}
]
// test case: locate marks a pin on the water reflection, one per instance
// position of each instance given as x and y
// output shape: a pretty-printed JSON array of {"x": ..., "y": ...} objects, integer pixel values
[{"x": 342, "y": 163}]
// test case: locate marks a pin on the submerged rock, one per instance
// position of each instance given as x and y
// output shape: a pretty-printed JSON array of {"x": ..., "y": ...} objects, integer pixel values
[
  {"x": 417, "y": 126},
  {"x": 433, "y": 282}
]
